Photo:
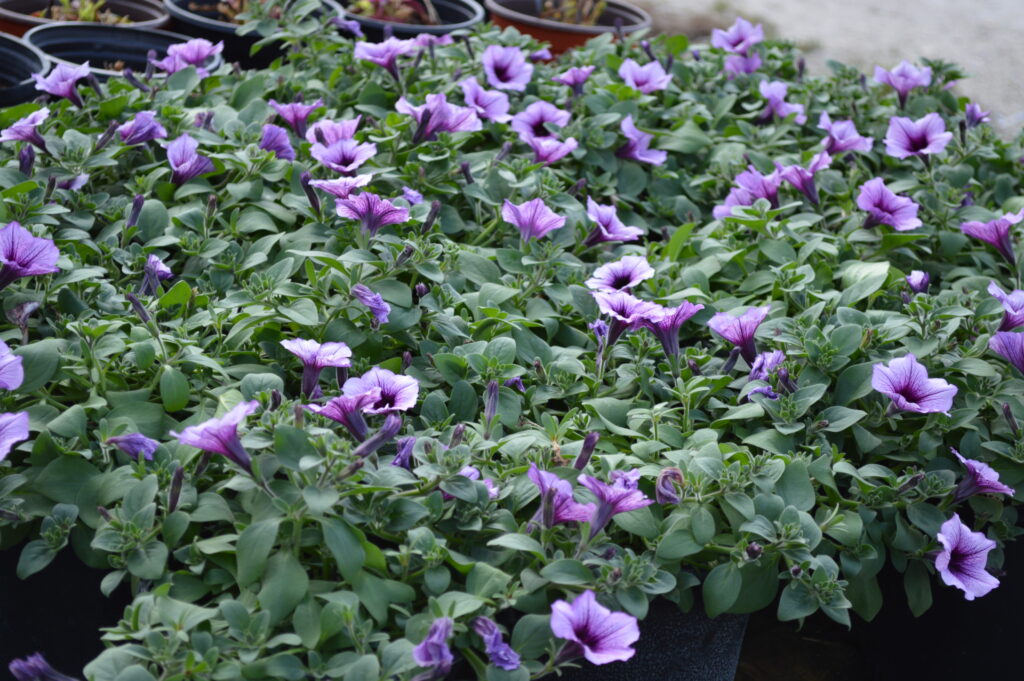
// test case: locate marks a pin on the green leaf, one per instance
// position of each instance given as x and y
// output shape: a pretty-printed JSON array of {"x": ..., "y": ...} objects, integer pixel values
[
  {"x": 148, "y": 561},
  {"x": 795, "y": 486},
  {"x": 721, "y": 589},
  {"x": 179, "y": 294},
  {"x": 918, "y": 585},
  {"x": 485, "y": 580},
  {"x": 366, "y": 668},
  {"x": 567, "y": 571},
  {"x": 531, "y": 636},
  {"x": 284, "y": 586},
  {"x": 797, "y": 601},
  {"x": 518, "y": 542},
  {"x": 39, "y": 362},
  {"x": 345, "y": 545},
  {"x": 34, "y": 557},
  {"x": 861, "y": 279},
  {"x": 253, "y": 549},
  {"x": 174, "y": 389},
  {"x": 678, "y": 544},
  {"x": 840, "y": 418}
]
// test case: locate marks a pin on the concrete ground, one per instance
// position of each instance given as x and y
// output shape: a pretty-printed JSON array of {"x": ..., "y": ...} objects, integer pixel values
[{"x": 983, "y": 36}]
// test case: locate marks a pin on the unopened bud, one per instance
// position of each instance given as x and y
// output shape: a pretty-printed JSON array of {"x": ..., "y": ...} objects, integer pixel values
[
  {"x": 466, "y": 172},
  {"x": 136, "y": 211},
  {"x": 404, "y": 256},
  {"x": 341, "y": 375},
  {"x": 490, "y": 407},
  {"x": 1010, "y": 420},
  {"x": 538, "y": 368},
  {"x": 754, "y": 550},
  {"x": 300, "y": 416},
  {"x": 694, "y": 367},
  {"x": 275, "y": 399},
  {"x": 314, "y": 200},
  {"x": 150, "y": 66},
  {"x": 730, "y": 361},
  {"x": 963, "y": 132},
  {"x": 796, "y": 571},
  {"x": 419, "y": 291},
  {"x": 577, "y": 187},
  {"x": 211, "y": 207},
  {"x": 428, "y": 224},
  {"x": 138, "y": 307},
  {"x": 469, "y": 46},
  {"x": 503, "y": 153},
  {"x": 406, "y": 360},
  {"x": 26, "y": 159},
  {"x": 104, "y": 513},
  {"x": 457, "y": 433},
  {"x": 107, "y": 135},
  {"x": 910, "y": 484},
  {"x": 387, "y": 432},
  {"x": 176, "y": 480},
  {"x": 586, "y": 450},
  {"x": 615, "y": 575}
]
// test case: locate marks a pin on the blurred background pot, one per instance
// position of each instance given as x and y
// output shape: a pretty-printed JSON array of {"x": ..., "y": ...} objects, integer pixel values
[
  {"x": 16, "y": 15},
  {"x": 20, "y": 60},
  {"x": 523, "y": 16},
  {"x": 455, "y": 15}
]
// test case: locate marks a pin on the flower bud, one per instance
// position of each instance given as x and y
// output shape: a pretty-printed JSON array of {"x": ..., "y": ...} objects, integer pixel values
[
  {"x": 176, "y": 480},
  {"x": 694, "y": 367},
  {"x": 105, "y": 138},
  {"x": 419, "y": 291},
  {"x": 577, "y": 187},
  {"x": 503, "y": 153},
  {"x": 137, "y": 306},
  {"x": 404, "y": 256},
  {"x": 666, "y": 490},
  {"x": 730, "y": 361},
  {"x": 910, "y": 484},
  {"x": 466, "y": 172},
  {"x": 392, "y": 424},
  {"x": 341, "y": 375},
  {"x": 150, "y": 66},
  {"x": 300, "y": 416},
  {"x": 457, "y": 433},
  {"x": 490, "y": 407},
  {"x": 515, "y": 383},
  {"x": 696, "y": 54},
  {"x": 51, "y": 184},
  {"x": 422, "y": 127},
  {"x": 586, "y": 450},
  {"x": 435, "y": 210},
  {"x": 1010, "y": 420},
  {"x": 469, "y": 46},
  {"x": 136, "y": 211},
  {"x": 275, "y": 399},
  {"x": 104, "y": 513},
  {"x": 754, "y": 550},
  {"x": 211, "y": 207},
  {"x": 26, "y": 159},
  {"x": 796, "y": 571},
  {"x": 314, "y": 200}
]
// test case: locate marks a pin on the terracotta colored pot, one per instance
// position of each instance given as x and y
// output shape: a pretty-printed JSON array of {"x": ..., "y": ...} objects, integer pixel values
[
  {"x": 455, "y": 15},
  {"x": 20, "y": 60},
  {"x": 522, "y": 15},
  {"x": 16, "y": 15}
]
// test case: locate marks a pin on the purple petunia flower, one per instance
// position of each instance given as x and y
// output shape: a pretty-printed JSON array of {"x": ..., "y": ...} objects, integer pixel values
[
  {"x": 348, "y": 411},
  {"x": 557, "y": 504},
  {"x": 619, "y": 497},
  {"x": 492, "y": 105},
  {"x": 637, "y": 146},
  {"x": 666, "y": 322},
  {"x": 63, "y": 81},
  {"x": 533, "y": 218},
  {"x": 220, "y": 435},
  {"x": 516, "y": 383},
  {"x": 12, "y": 374},
  {"x": 185, "y": 162},
  {"x": 997, "y": 233},
  {"x": 437, "y": 115},
  {"x": 349, "y": 27},
  {"x": 433, "y": 651},
  {"x": 594, "y": 631},
  {"x": 739, "y": 37},
  {"x": 803, "y": 178},
  {"x": 648, "y": 78},
  {"x": 961, "y": 563},
  {"x": 548, "y": 150},
  {"x": 74, "y": 183},
  {"x": 842, "y": 136},
  {"x": 378, "y": 308},
  {"x": 343, "y": 186},
  {"x": 385, "y": 54},
  {"x": 315, "y": 356},
  {"x": 27, "y": 129},
  {"x": 543, "y": 54},
  {"x": 751, "y": 185},
  {"x": 344, "y": 156},
  {"x": 473, "y": 473},
  {"x": 765, "y": 364},
  {"x": 296, "y": 114},
  {"x": 500, "y": 653},
  {"x": 142, "y": 128},
  {"x": 134, "y": 444},
  {"x": 904, "y": 78},
  {"x": 905, "y": 381},
  {"x": 922, "y": 137},
  {"x": 980, "y": 479},
  {"x": 531, "y": 122},
  {"x": 918, "y": 281},
  {"x": 153, "y": 272},
  {"x": 775, "y": 92},
  {"x": 275, "y": 139},
  {"x": 1013, "y": 306},
  {"x": 735, "y": 64},
  {"x": 621, "y": 275},
  {"x": 196, "y": 51},
  {"x": 24, "y": 255},
  {"x": 171, "y": 64},
  {"x": 331, "y": 132},
  {"x": 428, "y": 39},
  {"x": 974, "y": 116},
  {"x": 627, "y": 312},
  {"x": 740, "y": 331},
  {"x": 13, "y": 429},
  {"x": 607, "y": 225},
  {"x": 1010, "y": 346},
  {"x": 36, "y": 668},
  {"x": 412, "y": 196},
  {"x": 575, "y": 78},
  {"x": 397, "y": 392},
  {"x": 887, "y": 208},
  {"x": 372, "y": 211},
  {"x": 506, "y": 68}
]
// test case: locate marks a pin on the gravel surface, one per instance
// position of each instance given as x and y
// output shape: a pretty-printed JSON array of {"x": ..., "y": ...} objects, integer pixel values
[{"x": 984, "y": 38}]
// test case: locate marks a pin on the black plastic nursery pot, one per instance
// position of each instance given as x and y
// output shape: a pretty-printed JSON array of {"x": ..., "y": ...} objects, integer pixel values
[
  {"x": 16, "y": 15},
  {"x": 20, "y": 60},
  {"x": 455, "y": 15},
  {"x": 522, "y": 14},
  {"x": 108, "y": 50}
]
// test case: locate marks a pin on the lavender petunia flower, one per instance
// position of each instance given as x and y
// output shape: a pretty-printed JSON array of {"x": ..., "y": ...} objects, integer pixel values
[
  {"x": 331, "y": 132},
  {"x": 842, "y": 136},
  {"x": 315, "y": 356},
  {"x": 650, "y": 77},
  {"x": 372, "y": 211},
  {"x": 500, "y": 653},
  {"x": 594, "y": 631},
  {"x": 171, "y": 64},
  {"x": 607, "y": 225},
  {"x": 775, "y": 92},
  {"x": 557, "y": 504},
  {"x": 348, "y": 411},
  {"x": 35, "y": 668},
  {"x": 412, "y": 196},
  {"x": 803, "y": 178},
  {"x": 296, "y": 114},
  {"x": 437, "y": 115},
  {"x": 621, "y": 275},
  {"x": 397, "y": 393},
  {"x": 1013, "y": 306},
  {"x": 385, "y": 54},
  {"x": 637, "y": 146},
  {"x": 980, "y": 479},
  {"x": 533, "y": 218},
  {"x": 343, "y": 186},
  {"x": 74, "y": 183},
  {"x": 1010, "y": 346},
  {"x": 765, "y": 390},
  {"x": 428, "y": 39},
  {"x": 974, "y": 116},
  {"x": 134, "y": 444},
  {"x": 185, "y": 162},
  {"x": 543, "y": 54},
  {"x": 548, "y": 150},
  {"x": 887, "y": 208},
  {"x": 196, "y": 51},
  {"x": 433, "y": 651},
  {"x": 918, "y": 281},
  {"x": 904, "y": 78},
  {"x": 531, "y": 122},
  {"x": 220, "y": 435},
  {"x": 27, "y": 129},
  {"x": 492, "y": 105},
  {"x": 751, "y": 185},
  {"x": 153, "y": 272},
  {"x": 142, "y": 128},
  {"x": 739, "y": 37},
  {"x": 506, "y": 68},
  {"x": 961, "y": 563},
  {"x": 13, "y": 429},
  {"x": 344, "y": 156},
  {"x": 735, "y": 64},
  {"x": 63, "y": 81},
  {"x": 24, "y": 255},
  {"x": 922, "y": 137},
  {"x": 575, "y": 78},
  {"x": 765, "y": 364},
  {"x": 516, "y": 383},
  {"x": 997, "y": 233},
  {"x": 612, "y": 499},
  {"x": 275, "y": 139},
  {"x": 349, "y": 27},
  {"x": 12, "y": 373},
  {"x": 905, "y": 381},
  {"x": 473, "y": 473},
  {"x": 627, "y": 312},
  {"x": 666, "y": 322},
  {"x": 378, "y": 308},
  {"x": 740, "y": 330},
  {"x": 403, "y": 457}
]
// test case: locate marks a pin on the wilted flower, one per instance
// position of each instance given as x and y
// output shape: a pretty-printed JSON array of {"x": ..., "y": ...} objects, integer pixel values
[
  {"x": 1013, "y": 306},
  {"x": 506, "y": 68},
  {"x": 412, "y": 196},
  {"x": 371, "y": 211},
  {"x": 575, "y": 78},
  {"x": 803, "y": 178},
  {"x": 220, "y": 435},
  {"x": 392, "y": 424},
  {"x": 433, "y": 651},
  {"x": 887, "y": 208},
  {"x": 975, "y": 116},
  {"x": 533, "y": 218},
  {"x": 185, "y": 162},
  {"x": 403, "y": 457},
  {"x": 904, "y": 78},
  {"x": 637, "y": 146},
  {"x": 739, "y": 37},
  {"x": 775, "y": 92},
  {"x": 13, "y": 429},
  {"x": 499, "y": 652},
  {"x": 35, "y": 668},
  {"x": 765, "y": 364},
  {"x": 736, "y": 64},
  {"x": 373, "y": 301},
  {"x": 349, "y": 27},
  {"x": 961, "y": 563},
  {"x": 627, "y": 312},
  {"x": 27, "y": 129},
  {"x": 330, "y": 132},
  {"x": 134, "y": 444},
  {"x": 142, "y": 128},
  {"x": 492, "y": 105},
  {"x": 648, "y": 78},
  {"x": 918, "y": 281},
  {"x": 385, "y": 54},
  {"x": 557, "y": 503},
  {"x": 621, "y": 275},
  {"x": 63, "y": 80},
  {"x": 751, "y": 185},
  {"x": 548, "y": 150},
  {"x": 922, "y": 137},
  {"x": 12, "y": 374},
  {"x": 997, "y": 233},
  {"x": 740, "y": 330},
  {"x": 296, "y": 114},
  {"x": 666, "y": 490},
  {"x": 315, "y": 357},
  {"x": 153, "y": 272},
  {"x": 342, "y": 186},
  {"x": 344, "y": 156},
  {"x": 530, "y": 123},
  {"x": 24, "y": 255},
  {"x": 980, "y": 479},
  {"x": 275, "y": 139},
  {"x": 842, "y": 136},
  {"x": 594, "y": 631},
  {"x": 905, "y": 381},
  {"x": 607, "y": 225},
  {"x": 619, "y": 497},
  {"x": 348, "y": 410},
  {"x": 1010, "y": 346},
  {"x": 397, "y": 393}
]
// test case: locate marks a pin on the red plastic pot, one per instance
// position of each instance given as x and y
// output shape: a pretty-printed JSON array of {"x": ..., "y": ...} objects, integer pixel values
[{"x": 562, "y": 36}]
